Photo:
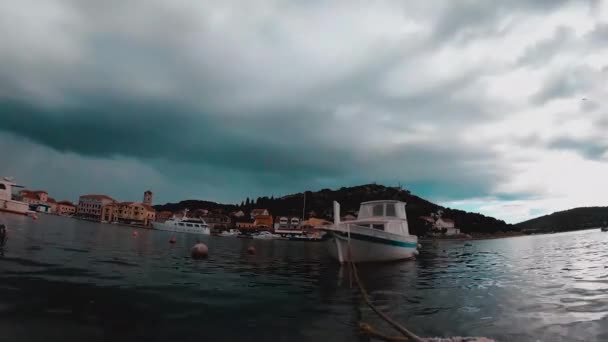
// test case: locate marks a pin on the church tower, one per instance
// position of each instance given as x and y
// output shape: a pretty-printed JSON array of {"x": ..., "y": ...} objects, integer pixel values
[{"x": 148, "y": 197}]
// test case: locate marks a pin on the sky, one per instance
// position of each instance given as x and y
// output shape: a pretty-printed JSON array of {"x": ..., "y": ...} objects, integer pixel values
[{"x": 488, "y": 106}]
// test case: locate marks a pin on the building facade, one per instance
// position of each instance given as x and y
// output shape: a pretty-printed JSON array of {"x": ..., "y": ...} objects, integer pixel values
[
  {"x": 128, "y": 213},
  {"x": 218, "y": 222},
  {"x": 263, "y": 222},
  {"x": 163, "y": 216},
  {"x": 66, "y": 208},
  {"x": 287, "y": 225},
  {"x": 91, "y": 206},
  {"x": 257, "y": 212}
]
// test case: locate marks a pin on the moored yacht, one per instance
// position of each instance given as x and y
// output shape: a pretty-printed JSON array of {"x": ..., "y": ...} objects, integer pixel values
[
  {"x": 230, "y": 232},
  {"x": 380, "y": 233},
  {"x": 264, "y": 235},
  {"x": 183, "y": 225},
  {"x": 7, "y": 203}
]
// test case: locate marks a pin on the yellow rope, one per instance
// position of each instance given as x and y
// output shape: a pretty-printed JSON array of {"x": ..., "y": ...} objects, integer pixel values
[{"x": 410, "y": 335}]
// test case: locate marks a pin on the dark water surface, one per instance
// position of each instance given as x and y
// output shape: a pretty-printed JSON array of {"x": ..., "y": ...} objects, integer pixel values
[{"x": 67, "y": 280}]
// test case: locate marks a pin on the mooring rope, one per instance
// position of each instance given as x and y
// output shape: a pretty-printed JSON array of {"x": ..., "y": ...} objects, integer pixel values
[
  {"x": 409, "y": 336},
  {"x": 366, "y": 327}
]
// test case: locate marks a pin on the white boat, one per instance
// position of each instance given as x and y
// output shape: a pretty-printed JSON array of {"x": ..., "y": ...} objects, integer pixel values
[
  {"x": 231, "y": 232},
  {"x": 7, "y": 203},
  {"x": 380, "y": 233},
  {"x": 183, "y": 225},
  {"x": 266, "y": 236}
]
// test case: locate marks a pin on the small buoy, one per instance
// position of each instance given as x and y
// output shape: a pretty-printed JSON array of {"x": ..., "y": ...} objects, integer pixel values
[
  {"x": 199, "y": 251},
  {"x": 172, "y": 239},
  {"x": 251, "y": 250},
  {"x": 135, "y": 234},
  {"x": 34, "y": 217}
]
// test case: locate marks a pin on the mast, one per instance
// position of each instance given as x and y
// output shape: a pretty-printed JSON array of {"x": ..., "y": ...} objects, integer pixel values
[{"x": 304, "y": 207}]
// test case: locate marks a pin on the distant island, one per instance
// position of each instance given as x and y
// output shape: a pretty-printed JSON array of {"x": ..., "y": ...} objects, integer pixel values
[
  {"x": 319, "y": 205},
  {"x": 567, "y": 220}
]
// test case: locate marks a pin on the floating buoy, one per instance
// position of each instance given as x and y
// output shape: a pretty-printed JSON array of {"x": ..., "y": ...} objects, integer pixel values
[
  {"x": 135, "y": 234},
  {"x": 172, "y": 239},
  {"x": 34, "y": 217},
  {"x": 251, "y": 250},
  {"x": 199, "y": 251}
]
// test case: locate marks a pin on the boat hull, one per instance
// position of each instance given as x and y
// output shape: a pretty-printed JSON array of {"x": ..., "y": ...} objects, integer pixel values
[
  {"x": 14, "y": 207},
  {"x": 364, "y": 248},
  {"x": 180, "y": 229}
]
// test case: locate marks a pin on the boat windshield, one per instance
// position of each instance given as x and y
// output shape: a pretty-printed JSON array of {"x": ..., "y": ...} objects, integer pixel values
[{"x": 382, "y": 209}]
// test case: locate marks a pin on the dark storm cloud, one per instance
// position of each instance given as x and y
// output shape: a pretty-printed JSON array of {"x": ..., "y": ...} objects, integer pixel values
[{"x": 234, "y": 98}]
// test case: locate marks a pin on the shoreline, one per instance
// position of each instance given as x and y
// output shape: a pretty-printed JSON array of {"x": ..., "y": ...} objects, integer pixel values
[{"x": 479, "y": 237}]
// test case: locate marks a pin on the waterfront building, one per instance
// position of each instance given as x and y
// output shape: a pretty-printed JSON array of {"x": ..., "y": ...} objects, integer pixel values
[
  {"x": 218, "y": 221},
  {"x": 263, "y": 222},
  {"x": 257, "y": 212},
  {"x": 128, "y": 213},
  {"x": 91, "y": 206},
  {"x": 287, "y": 225},
  {"x": 163, "y": 216},
  {"x": 65, "y": 208},
  {"x": 244, "y": 224}
]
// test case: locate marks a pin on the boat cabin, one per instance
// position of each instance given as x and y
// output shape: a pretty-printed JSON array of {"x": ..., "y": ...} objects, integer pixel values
[
  {"x": 386, "y": 215},
  {"x": 6, "y": 189}
]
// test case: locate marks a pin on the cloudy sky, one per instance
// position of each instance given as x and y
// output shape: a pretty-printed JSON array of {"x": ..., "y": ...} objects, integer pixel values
[{"x": 490, "y": 106}]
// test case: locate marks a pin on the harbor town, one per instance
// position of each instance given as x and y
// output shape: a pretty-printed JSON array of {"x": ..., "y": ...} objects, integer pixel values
[{"x": 246, "y": 219}]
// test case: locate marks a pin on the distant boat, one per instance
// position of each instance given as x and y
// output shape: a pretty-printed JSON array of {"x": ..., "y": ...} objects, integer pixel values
[
  {"x": 380, "y": 233},
  {"x": 231, "y": 232},
  {"x": 266, "y": 236},
  {"x": 7, "y": 203},
  {"x": 183, "y": 225}
]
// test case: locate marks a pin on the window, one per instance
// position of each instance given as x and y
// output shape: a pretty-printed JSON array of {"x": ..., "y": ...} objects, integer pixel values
[
  {"x": 180, "y": 224},
  {"x": 2, "y": 186},
  {"x": 390, "y": 210},
  {"x": 377, "y": 210},
  {"x": 189, "y": 224},
  {"x": 378, "y": 226}
]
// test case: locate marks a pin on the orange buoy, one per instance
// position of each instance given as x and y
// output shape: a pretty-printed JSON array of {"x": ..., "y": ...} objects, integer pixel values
[
  {"x": 251, "y": 250},
  {"x": 34, "y": 217},
  {"x": 135, "y": 234},
  {"x": 172, "y": 239},
  {"x": 199, "y": 251}
]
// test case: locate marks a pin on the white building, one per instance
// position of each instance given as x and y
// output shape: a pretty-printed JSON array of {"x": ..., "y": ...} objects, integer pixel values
[
  {"x": 448, "y": 224},
  {"x": 259, "y": 212},
  {"x": 440, "y": 224}
]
